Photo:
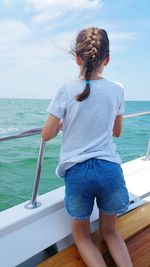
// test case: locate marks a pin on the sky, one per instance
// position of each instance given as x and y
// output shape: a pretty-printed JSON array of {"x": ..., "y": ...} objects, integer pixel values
[{"x": 37, "y": 35}]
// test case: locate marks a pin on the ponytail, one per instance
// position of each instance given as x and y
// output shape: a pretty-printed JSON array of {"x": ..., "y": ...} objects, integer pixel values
[
  {"x": 88, "y": 71},
  {"x": 85, "y": 93}
]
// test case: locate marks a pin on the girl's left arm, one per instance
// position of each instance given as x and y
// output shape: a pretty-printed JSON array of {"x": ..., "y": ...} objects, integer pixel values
[
  {"x": 117, "y": 126},
  {"x": 51, "y": 128}
]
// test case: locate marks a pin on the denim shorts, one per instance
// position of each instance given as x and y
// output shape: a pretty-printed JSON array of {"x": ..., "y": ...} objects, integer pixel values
[{"x": 95, "y": 179}]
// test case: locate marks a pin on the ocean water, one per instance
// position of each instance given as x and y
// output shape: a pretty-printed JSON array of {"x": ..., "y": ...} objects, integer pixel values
[{"x": 18, "y": 157}]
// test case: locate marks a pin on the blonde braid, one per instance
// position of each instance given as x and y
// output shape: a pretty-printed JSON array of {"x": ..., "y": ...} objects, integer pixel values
[{"x": 92, "y": 45}]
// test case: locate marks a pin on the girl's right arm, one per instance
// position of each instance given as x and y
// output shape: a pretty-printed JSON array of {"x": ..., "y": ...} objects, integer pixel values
[
  {"x": 51, "y": 128},
  {"x": 117, "y": 126}
]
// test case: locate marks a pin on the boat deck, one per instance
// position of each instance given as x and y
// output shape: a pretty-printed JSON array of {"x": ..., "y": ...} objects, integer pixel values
[{"x": 134, "y": 227}]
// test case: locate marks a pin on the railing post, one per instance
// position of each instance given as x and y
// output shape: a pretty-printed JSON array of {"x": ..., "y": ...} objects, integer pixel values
[
  {"x": 147, "y": 157},
  {"x": 33, "y": 202}
]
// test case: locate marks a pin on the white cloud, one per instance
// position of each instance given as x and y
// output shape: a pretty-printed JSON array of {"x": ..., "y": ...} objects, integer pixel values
[
  {"x": 7, "y": 2},
  {"x": 14, "y": 49},
  {"x": 40, "y": 5},
  {"x": 121, "y": 36},
  {"x": 41, "y": 51},
  {"x": 44, "y": 17},
  {"x": 50, "y": 9},
  {"x": 33, "y": 69},
  {"x": 120, "y": 41},
  {"x": 11, "y": 30}
]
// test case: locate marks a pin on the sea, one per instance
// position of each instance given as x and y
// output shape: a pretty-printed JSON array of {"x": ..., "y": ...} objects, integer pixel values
[{"x": 18, "y": 157}]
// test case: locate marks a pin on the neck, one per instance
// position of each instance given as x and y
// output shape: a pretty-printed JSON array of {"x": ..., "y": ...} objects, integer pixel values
[{"x": 94, "y": 77}]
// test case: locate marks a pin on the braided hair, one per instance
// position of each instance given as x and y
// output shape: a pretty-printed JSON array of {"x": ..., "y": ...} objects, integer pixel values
[{"x": 92, "y": 45}]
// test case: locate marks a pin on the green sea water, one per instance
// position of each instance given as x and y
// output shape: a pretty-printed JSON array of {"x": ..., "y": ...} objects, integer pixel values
[{"x": 18, "y": 157}]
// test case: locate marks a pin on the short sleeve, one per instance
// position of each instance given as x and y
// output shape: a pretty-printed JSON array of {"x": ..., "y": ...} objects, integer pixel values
[
  {"x": 58, "y": 105},
  {"x": 121, "y": 102}
]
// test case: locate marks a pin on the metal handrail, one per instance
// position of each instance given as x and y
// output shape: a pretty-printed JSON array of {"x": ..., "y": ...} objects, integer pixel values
[
  {"x": 33, "y": 202},
  {"x": 38, "y": 130},
  {"x": 136, "y": 114},
  {"x": 22, "y": 134}
]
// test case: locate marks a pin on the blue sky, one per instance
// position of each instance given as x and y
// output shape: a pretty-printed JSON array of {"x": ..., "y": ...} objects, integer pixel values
[{"x": 36, "y": 34}]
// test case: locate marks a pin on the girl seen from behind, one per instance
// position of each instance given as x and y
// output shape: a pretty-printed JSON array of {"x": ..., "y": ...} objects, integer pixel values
[{"x": 89, "y": 110}]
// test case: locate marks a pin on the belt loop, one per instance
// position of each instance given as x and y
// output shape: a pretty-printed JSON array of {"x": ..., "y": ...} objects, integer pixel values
[{"x": 91, "y": 163}]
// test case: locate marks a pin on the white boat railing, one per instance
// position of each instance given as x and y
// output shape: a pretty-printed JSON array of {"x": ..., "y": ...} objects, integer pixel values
[{"x": 33, "y": 202}]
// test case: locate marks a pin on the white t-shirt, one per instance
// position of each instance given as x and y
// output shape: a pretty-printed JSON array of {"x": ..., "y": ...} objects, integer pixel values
[{"x": 87, "y": 125}]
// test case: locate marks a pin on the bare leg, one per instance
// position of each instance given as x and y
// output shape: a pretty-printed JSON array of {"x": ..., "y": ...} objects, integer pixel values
[
  {"x": 115, "y": 243},
  {"x": 88, "y": 251}
]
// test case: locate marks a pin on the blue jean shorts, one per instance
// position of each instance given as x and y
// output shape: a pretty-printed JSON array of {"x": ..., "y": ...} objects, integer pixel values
[{"x": 95, "y": 179}]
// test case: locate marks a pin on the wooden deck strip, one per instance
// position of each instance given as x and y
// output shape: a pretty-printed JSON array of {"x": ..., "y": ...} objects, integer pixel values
[
  {"x": 134, "y": 228},
  {"x": 134, "y": 221},
  {"x": 139, "y": 249}
]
